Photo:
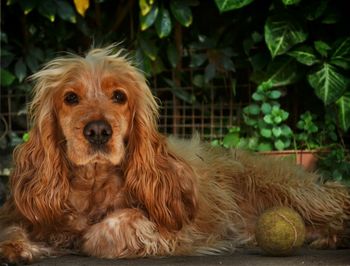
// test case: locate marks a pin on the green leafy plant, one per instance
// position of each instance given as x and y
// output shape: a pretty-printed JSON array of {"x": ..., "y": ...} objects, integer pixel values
[
  {"x": 265, "y": 123},
  {"x": 266, "y": 120},
  {"x": 308, "y": 136},
  {"x": 335, "y": 165}
]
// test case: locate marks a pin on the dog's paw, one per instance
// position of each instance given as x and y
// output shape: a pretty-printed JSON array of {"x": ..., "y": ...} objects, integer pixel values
[
  {"x": 330, "y": 242},
  {"x": 19, "y": 251},
  {"x": 122, "y": 234}
]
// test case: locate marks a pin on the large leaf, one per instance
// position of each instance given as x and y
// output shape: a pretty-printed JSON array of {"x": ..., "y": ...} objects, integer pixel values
[
  {"x": 322, "y": 48},
  {"x": 173, "y": 55},
  {"x": 181, "y": 93},
  {"x": 281, "y": 71},
  {"x": 226, "y": 5},
  {"x": 149, "y": 48},
  {"x": 20, "y": 70},
  {"x": 304, "y": 55},
  {"x": 341, "y": 53},
  {"x": 28, "y": 5},
  {"x": 344, "y": 111},
  {"x": 314, "y": 9},
  {"x": 198, "y": 59},
  {"x": 163, "y": 23},
  {"x": 148, "y": 20},
  {"x": 7, "y": 78},
  {"x": 66, "y": 11},
  {"x": 145, "y": 7},
  {"x": 143, "y": 62},
  {"x": 182, "y": 12},
  {"x": 282, "y": 33},
  {"x": 328, "y": 83},
  {"x": 48, "y": 9}
]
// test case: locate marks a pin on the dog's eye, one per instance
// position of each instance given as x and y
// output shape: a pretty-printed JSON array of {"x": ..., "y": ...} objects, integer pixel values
[
  {"x": 119, "y": 97},
  {"x": 71, "y": 98}
]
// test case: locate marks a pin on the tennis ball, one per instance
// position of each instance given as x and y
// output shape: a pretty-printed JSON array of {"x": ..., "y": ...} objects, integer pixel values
[{"x": 280, "y": 231}]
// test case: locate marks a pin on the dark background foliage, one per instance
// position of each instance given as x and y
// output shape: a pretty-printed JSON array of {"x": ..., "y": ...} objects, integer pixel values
[{"x": 294, "y": 53}]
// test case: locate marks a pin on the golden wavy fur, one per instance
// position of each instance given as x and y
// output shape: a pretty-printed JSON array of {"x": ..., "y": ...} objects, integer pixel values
[{"x": 97, "y": 178}]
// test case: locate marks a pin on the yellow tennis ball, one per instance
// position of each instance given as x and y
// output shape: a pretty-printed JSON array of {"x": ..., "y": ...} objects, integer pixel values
[{"x": 280, "y": 231}]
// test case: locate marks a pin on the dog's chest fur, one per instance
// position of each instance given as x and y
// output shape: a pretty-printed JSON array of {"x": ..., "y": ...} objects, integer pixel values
[{"x": 95, "y": 191}]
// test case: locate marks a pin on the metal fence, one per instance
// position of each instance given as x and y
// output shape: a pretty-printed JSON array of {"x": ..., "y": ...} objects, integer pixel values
[{"x": 213, "y": 109}]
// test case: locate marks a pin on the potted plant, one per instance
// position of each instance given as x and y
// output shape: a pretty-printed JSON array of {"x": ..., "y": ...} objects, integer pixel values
[{"x": 265, "y": 130}]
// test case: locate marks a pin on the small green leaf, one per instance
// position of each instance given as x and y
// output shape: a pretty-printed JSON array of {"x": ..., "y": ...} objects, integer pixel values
[
  {"x": 282, "y": 33},
  {"x": 148, "y": 20},
  {"x": 20, "y": 70},
  {"x": 304, "y": 55},
  {"x": 252, "y": 109},
  {"x": 328, "y": 83},
  {"x": 258, "y": 96},
  {"x": 274, "y": 94},
  {"x": 7, "y": 78},
  {"x": 264, "y": 147},
  {"x": 322, "y": 48},
  {"x": 163, "y": 23},
  {"x": 266, "y": 133},
  {"x": 277, "y": 131},
  {"x": 182, "y": 12},
  {"x": 231, "y": 140},
  {"x": 173, "y": 55},
  {"x": 227, "y": 5},
  {"x": 266, "y": 108},
  {"x": 286, "y": 131},
  {"x": 277, "y": 119},
  {"x": 268, "y": 119},
  {"x": 279, "y": 145},
  {"x": 25, "y": 137}
]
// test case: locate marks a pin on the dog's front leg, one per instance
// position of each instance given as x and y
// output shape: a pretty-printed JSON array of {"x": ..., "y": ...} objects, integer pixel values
[
  {"x": 15, "y": 246},
  {"x": 124, "y": 233}
]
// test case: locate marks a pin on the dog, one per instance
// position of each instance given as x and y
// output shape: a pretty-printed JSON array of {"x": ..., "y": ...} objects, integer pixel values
[{"x": 97, "y": 178}]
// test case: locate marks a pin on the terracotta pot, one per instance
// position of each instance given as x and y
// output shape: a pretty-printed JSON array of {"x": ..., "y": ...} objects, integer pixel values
[{"x": 305, "y": 158}]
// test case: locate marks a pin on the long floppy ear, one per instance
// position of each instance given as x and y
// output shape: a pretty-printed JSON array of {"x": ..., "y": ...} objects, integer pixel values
[
  {"x": 39, "y": 181},
  {"x": 155, "y": 177}
]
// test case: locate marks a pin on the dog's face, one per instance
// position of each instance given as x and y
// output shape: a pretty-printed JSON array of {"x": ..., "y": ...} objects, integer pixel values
[{"x": 94, "y": 114}]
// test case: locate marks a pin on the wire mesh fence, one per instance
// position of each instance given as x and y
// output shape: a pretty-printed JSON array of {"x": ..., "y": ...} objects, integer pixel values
[{"x": 185, "y": 109}]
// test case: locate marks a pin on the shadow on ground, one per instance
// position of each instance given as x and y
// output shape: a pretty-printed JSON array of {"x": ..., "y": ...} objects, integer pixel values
[{"x": 251, "y": 257}]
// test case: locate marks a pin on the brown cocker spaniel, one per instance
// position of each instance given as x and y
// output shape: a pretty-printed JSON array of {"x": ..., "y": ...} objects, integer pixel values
[{"x": 97, "y": 178}]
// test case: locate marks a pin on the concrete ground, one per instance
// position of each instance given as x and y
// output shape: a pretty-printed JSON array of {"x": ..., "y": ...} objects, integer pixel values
[{"x": 250, "y": 257}]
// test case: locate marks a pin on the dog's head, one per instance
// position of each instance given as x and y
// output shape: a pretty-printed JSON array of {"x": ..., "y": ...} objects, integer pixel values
[{"x": 93, "y": 102}]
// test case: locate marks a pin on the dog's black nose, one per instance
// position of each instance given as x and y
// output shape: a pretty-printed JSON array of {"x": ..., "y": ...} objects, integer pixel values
[{"x": 98, "y": 132}]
